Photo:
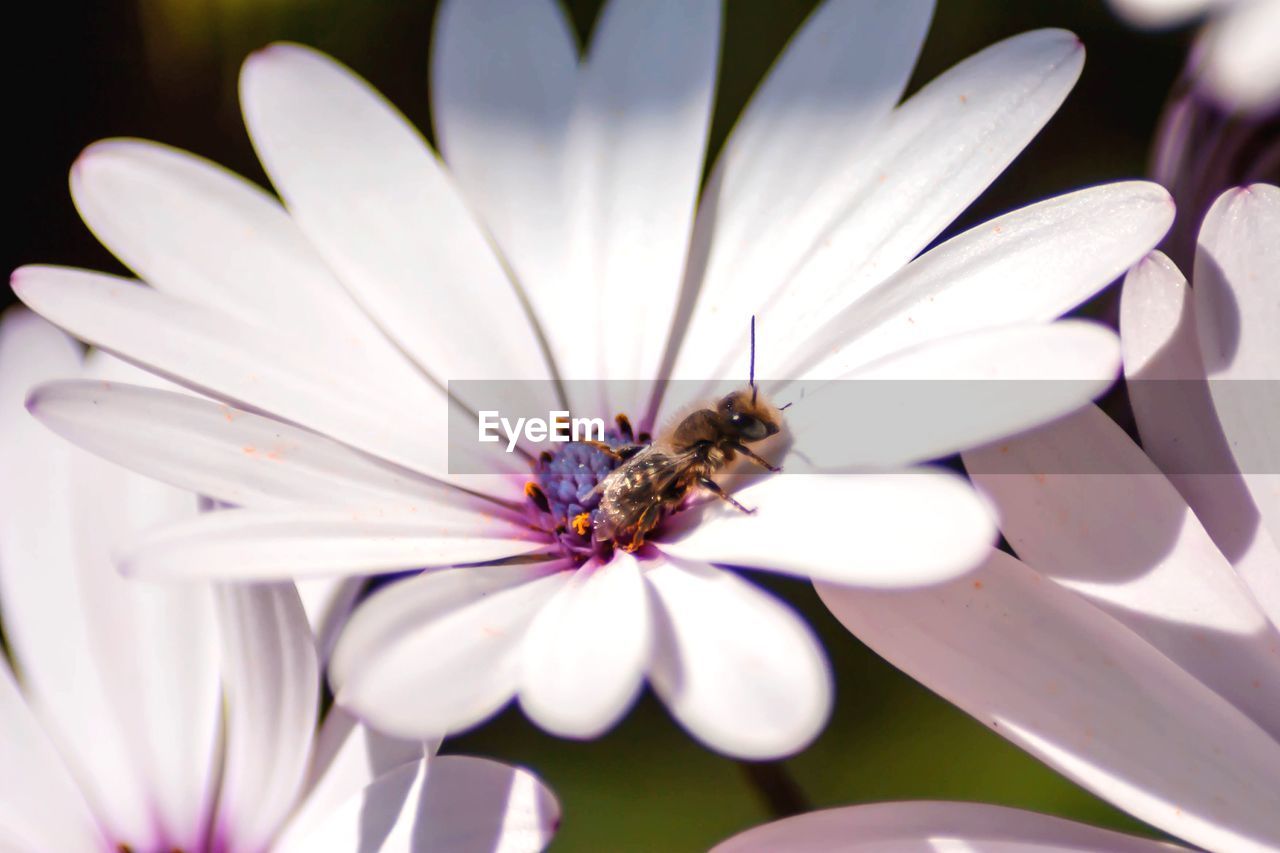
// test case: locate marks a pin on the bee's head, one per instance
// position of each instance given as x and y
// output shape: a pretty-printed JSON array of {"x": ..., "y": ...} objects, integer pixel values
[{"x": 748, "y": 415}]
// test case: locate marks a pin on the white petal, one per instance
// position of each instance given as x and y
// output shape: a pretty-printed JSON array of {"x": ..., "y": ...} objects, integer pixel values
[
  {"x": 738, "y": 668},
  {"x": 1028, "y": 266},
  {"x": 638, "y": 137},
  {"x": 1162, "y": 13},
  {"x": 205, "y": 235},
  {"x": 885, "y": 530},
  {"x": 440, "y": 652},
  {"x": 1241, "y": 63},
  {"x": 933, "y": 826},
  {"x": 503, "y": 79},
  {"x": 587, "y": 651},
  {"x": 1078, "y": 690},
  {"x": 1179, "y": 427},
  {"x": 1236, "y": 280},
  {"x": 364, "y": 186},
  {"x": 348, "y": 757},
  {"x": 937, "y": 152},
  {"x": 947, "y": 395},
  {"x": 124, "y": 675},
  {"x": 328, "y": 602},
  {"x": 788, "y": 169},
  {"x": 454, "y": 803},
  {"x": 247, "y": 365},
  {"x": 229, "y": 454},
  {"x": 1080, "y": 503},
  {"x": 273, "y": 690},
  {"x": 258, "y": 545},
  {"x": 40, "y": 806}
]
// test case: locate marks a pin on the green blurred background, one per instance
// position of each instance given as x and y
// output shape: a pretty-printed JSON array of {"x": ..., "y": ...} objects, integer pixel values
[{"x": 166, "y": 69}]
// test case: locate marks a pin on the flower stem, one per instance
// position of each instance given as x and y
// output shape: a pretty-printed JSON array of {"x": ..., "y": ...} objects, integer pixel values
[{"x": 777, "y": 788}]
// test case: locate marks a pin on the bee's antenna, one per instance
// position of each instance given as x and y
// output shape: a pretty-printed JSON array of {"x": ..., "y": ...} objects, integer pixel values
[
  {"x": 751, "y": 376},
  {"x": 784, "y": 408}
]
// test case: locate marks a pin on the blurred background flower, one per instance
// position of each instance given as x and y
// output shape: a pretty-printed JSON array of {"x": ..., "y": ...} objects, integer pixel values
[{"x": 77, "y": 78}]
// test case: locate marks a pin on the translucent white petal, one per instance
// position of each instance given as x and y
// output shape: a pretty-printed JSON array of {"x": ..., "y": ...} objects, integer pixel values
[
  {"x": 272, "y": 694},
  {"x": 192, "y": 229},
  {"x": 1079, "y": 502},
  {"x": 937, "y": 152},
  {"x": 788, "y": 169},
  {"x": 328, "y": 602},
  {"x": 1063, "y": 680},
  {"x": 885, "y": 530},
  {"x": 124, "y": 675},
  {"x": 440, "y": 652},
  {"x": 263, "y": 545},
  {"x": 503, "y": 80},
  {"x": 933, "y": 826},
  {"x": 738, "y": 668},
  {"x": 1179, "y": 427},
  {"x": 587, "y": 651},
  {"x": 638, "y": 139},
  {"x": 348, "y": 757},
  {"x": 450, "y": 803},
  {"x": 229, "y": 454},
  {"x": 941, "y": 397},
  {"x": 378, "y": 206},
  {"x": 40, "y": 806},
  {"x": 247, "y": 365},
  {"x": 1237, "y": 277},
  {"x": 1029, "y": 266},
  {"x": 1241, "y": 63}
]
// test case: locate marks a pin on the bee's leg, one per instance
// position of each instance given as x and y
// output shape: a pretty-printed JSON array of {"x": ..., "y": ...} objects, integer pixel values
[
  {"x": 712, "y": 486},
  {"x": 756, "y": 458},
  {"x": 622, "y": 453},
  {"x": 648, "y": 520}
]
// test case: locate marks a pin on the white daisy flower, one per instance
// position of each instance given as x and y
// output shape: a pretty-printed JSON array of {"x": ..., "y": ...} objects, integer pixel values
[
  {"x": 1136, "y": 650},
  {"x": 183, "y": 717},
  {"x": 933, "y": 826},
  {"x": 1236, "y": 58},
  {"x": 569, "y": 214}
]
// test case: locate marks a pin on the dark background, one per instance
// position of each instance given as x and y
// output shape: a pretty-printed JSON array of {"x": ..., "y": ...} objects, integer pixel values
[{"x": 166, "y": 70}]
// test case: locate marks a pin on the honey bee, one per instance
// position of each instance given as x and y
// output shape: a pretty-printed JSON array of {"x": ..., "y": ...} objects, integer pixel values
[{"x": 654, "y": 479}]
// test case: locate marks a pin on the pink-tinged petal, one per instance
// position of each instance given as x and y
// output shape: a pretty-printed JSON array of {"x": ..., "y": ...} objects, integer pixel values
[
  {"x": 1071, "y": 246},
  {"x": 244, "y": 364},
  {"x": 440, "y": 652},
  {"x": 229, "y": 454},
  {"x": 205, "y": 235},
  {"x": 947, "y": 395},
  {"x": 504, "y": 75},
  {"x": 262, "y": 545},
  {"x": 450, "y": 803},
  {"x": 1179, "y": 427},
  {"x": 885, "y": 530},
  {"x": 119, "y": 672},
  {"x": 1241, "y": 63},
  {"x": 638, "y": 138},
  {"x": 925, "y": 165},
  {"x": 738, "y": 668},
  {"x": 586, "y": 653},
  {"x": 1080, "y": 503},
  {"x": 378, "y": 206},
  {"x": 928, "y": 826},
  {"x": 272, "y": 693},
  {"x": 790, "y": 166},
  {"x": 1237, "y": 313},
  {"x": 1071, "y": 685},
  {"x": 348, "y": 757},
  {"x": 40, "y": 806}
]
